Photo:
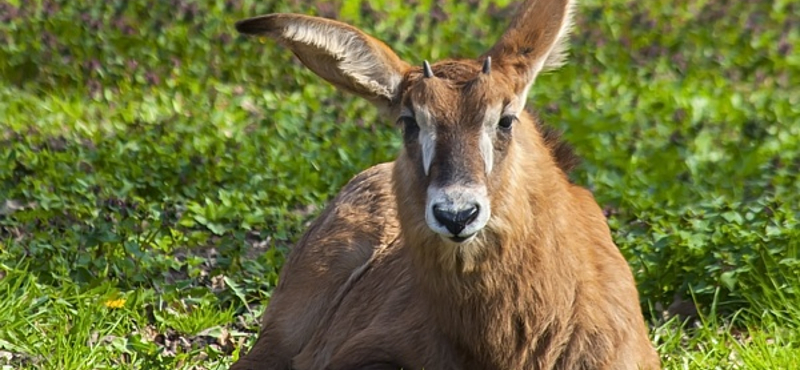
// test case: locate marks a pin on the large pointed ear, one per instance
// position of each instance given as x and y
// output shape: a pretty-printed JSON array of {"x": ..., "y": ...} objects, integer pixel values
[
  {"x": 342, "y": 54},
  {"x": 535, "y": 40}
]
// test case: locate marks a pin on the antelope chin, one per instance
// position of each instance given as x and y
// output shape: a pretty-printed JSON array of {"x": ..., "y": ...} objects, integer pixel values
[{"x": 458, "y": 239}]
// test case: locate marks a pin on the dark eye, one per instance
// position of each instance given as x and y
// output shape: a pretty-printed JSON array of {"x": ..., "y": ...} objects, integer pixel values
[
  {"x": 410, "y": 126},
  {"x": 506, "y": 122}
]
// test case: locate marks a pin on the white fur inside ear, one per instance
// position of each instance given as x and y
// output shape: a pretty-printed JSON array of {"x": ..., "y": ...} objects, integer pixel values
[
  {"x": 557, "y": 53},
  {"x": 356, "y": 57}
]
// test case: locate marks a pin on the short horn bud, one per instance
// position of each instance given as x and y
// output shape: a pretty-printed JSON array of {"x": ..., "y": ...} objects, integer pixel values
[
  {"x": 426, "y": 69},
  {"x": 487, "y": 65}
]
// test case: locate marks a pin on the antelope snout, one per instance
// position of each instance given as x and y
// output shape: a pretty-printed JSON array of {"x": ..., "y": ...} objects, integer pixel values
[
  {"x": 457, "y": 213},
  {"x": 455, "y": 220}
]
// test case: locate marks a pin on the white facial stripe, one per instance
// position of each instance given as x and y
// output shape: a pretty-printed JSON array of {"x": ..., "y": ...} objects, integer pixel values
[
  {"x": 427, "y": 136},
  {"x": 487, "y": 151},
  {"x": 427, "y": 139},
  {"x": 492, "y": 116},
  {"x": 515, "y": 106}
]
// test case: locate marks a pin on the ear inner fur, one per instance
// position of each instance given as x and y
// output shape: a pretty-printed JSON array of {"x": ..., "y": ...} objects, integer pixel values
[
  {"x": 339, "y": 53},
  {"x": 536, "y": 39}
]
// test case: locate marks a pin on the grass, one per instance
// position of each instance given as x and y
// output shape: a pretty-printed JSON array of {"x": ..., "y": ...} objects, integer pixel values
[
  {"x": 766, "y": 336},
  {"x": 155, "y": 167}
]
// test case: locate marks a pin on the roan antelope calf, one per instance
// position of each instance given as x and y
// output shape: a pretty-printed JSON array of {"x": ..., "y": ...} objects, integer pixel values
[{"x": 472, "y": 250}]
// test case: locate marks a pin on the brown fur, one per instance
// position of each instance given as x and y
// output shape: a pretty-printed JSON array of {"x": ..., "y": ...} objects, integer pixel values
[{"x": 541, "y": 286}]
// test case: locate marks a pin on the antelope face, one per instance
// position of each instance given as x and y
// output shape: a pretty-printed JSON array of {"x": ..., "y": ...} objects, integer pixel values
[
  {"x": 458, "y": 116},
  {"x": 458, "y": 126}
]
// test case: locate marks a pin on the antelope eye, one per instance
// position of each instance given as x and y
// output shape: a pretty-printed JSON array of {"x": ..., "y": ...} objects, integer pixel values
[
  {"x": 506, "y": 122},
  {"x": 409, "y": 124}
]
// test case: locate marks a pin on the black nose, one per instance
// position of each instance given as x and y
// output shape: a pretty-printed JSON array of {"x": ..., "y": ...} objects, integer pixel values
[{"x": 455, "y": 221}]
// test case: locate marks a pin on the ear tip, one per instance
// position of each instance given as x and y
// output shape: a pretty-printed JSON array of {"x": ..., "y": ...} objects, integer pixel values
[
  {"x": 240, "y": 26},
  {"x": 245, "y": 26},
  {"x": 255, "y": 25}
]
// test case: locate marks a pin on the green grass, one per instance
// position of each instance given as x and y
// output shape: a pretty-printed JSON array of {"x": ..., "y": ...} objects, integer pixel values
[{"x": 155, "y": 166}]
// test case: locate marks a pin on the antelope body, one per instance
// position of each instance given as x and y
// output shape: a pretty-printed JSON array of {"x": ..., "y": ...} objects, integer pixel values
[{"x": 472, "y": 250}]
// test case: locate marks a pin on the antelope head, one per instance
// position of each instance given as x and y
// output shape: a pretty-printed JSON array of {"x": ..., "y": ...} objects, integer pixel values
[{"x": 462, "y": 120}]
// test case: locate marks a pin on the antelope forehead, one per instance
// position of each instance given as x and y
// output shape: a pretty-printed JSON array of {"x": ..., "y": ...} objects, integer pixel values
[{"x": 428, "y": 134}]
